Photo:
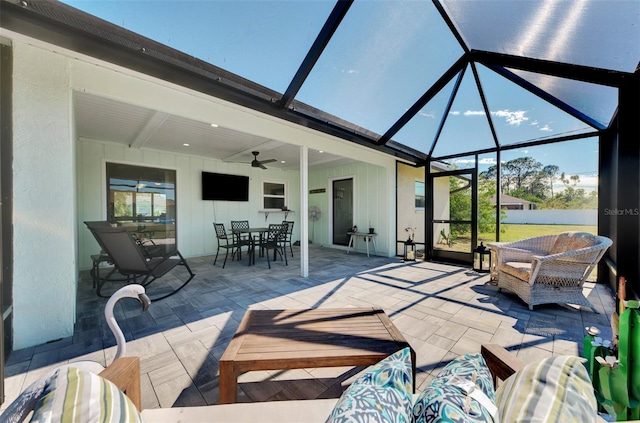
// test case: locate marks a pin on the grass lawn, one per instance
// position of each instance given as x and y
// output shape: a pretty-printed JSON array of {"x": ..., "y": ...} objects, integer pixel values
[{"x": 514, "y": 232}]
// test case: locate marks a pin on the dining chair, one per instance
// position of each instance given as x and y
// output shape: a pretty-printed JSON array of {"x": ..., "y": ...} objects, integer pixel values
[
  {"x": 273, "y": 240},
  {"x": 224, "y": 242},
  {"x": 242, "y": 239},
  {"x": 289, "y": 234}
]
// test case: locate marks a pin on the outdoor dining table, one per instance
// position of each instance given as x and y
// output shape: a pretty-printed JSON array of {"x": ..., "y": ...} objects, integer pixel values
[{"x": 251, "y": 231}]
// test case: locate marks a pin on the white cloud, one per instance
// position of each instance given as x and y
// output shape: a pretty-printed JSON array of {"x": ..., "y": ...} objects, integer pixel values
[
  {"x": 512, "y": 118},
  {"x": 425, "y": 114},
  {"x": 488, "y": 161},
  {"x": 534, "y": 123},
  {"x": 483, "y": 161},
  {"x": 546, "y": 128},
  {"x": 474, "y": 113}
]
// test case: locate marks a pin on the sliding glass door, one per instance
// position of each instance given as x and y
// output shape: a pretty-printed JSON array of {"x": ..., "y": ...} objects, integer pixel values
[{"x": 143, "y": 200}]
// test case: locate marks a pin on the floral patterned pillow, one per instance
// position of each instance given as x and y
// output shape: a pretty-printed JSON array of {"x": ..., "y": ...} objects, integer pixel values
[
  {"x": 383, "y": 393},
  {"x": 446, "y": 400}
]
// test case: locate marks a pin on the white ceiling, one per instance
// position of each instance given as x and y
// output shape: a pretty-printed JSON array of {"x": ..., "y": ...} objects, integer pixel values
[{"x": 99, "y": 118}]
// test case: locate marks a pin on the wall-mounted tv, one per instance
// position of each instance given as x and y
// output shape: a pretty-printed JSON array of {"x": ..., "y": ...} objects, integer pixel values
[{"x": 223, "y": 187}]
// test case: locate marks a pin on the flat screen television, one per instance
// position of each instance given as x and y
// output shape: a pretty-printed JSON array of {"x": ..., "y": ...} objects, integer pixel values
[{"x": 224, "y": 187}]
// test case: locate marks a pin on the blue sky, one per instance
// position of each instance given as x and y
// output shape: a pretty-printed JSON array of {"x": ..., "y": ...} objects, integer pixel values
[{"x": 382, "y": 58}]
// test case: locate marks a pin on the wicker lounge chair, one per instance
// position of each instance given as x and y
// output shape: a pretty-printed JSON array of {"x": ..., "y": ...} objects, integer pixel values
[{"x": 550, "y": 268}]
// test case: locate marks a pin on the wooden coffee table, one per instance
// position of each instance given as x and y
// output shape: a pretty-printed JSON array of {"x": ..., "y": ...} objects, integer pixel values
[{"x": 297, "y": 339}]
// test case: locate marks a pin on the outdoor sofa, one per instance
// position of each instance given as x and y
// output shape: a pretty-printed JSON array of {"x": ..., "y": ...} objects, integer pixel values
[{"x": 565, "y": 388}]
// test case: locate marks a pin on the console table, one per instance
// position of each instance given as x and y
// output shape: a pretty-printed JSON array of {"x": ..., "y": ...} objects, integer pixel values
[{"x": 367, "y": 237}]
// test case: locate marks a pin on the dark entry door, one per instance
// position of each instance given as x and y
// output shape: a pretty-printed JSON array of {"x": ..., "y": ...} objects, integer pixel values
[{"x": 342, "y": 210}]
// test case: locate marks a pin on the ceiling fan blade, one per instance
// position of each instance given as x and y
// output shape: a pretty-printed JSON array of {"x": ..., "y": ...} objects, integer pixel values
[
  {"x": 268, "y": 161},
  {"x": 262, "y": 166}
]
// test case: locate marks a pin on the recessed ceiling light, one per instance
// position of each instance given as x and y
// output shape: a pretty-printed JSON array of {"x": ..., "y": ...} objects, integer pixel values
[
  {"x": 186, "y": 144},
  {"x": 282, "y": 161},
  {"x": 214, "y": 125},
  {"x": 320, "y": 151}
]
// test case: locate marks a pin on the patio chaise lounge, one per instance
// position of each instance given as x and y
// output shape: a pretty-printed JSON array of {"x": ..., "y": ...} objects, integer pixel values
[
  {"x": 549, "y": 268},
  {"x": 129, "y": 258}
]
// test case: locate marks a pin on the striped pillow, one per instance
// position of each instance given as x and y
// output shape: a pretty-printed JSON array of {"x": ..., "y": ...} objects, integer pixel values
[
  {"x": 76, "y": 395},
  {"x": 556, "y": 389}
]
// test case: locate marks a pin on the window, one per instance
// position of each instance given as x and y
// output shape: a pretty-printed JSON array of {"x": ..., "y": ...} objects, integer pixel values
[
  {"x": 143, "y": 200},
  {"x": 274, "y": 195},
  {"x": 419, "y": 192}
]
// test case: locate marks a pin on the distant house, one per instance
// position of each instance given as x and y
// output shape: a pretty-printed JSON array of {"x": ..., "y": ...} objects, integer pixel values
[{"x": 508, "y": 202}]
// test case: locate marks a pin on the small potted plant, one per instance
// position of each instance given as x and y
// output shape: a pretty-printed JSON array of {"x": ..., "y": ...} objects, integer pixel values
[{"x": 372, "y": 230}]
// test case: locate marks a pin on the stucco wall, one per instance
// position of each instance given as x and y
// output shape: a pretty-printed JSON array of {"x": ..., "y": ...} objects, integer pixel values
[
  {"x": 408, "y": 216},
  {"x": 44, "y": 203}
]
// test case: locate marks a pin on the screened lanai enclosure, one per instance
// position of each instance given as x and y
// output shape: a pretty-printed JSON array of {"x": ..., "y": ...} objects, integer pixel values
[{"x": 455, "y": 91}]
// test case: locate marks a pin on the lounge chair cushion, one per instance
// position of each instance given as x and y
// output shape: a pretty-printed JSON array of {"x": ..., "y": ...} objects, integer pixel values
[
  {"x": 555, "y": 389},
  {"x": 569, "y": 241},
  {"x": 76, "y": 395},
  {"x": 518, "y": 269},
  {"x": 383, "y": 393},
  {"x": 443, "y": 400}
]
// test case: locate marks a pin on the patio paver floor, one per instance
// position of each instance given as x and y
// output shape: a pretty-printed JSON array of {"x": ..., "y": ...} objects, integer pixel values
[{"x": 442, "y": 310}]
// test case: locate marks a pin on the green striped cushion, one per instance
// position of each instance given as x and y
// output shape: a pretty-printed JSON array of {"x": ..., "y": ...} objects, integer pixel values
[
  {"x": 76, "y": 395},
  {"x": 556, "y": 389}
]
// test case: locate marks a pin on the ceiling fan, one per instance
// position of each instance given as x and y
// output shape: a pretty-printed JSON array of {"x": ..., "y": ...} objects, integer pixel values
[{"x": 260, "y": 163}]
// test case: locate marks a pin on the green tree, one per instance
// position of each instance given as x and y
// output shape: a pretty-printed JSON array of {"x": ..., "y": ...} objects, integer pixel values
[
  {"x": 486, "y": 207},
  {"x": 571, "y": 197},
  {"x": 524, "y": 170},
  {"x": 459, "y": 205},
  {"x": 550, "y": 173}
]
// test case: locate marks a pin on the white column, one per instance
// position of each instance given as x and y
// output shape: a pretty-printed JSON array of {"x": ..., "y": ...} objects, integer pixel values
[
  {"x": 304, "y": 206},
  {"x": 45, "y": 272}
]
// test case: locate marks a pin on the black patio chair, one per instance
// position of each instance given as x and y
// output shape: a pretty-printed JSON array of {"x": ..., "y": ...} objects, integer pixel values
[
  {"x": 273, "y": 240},
  {"x": 289, "y": 234},
  {"x": 224, "y": 242},
  {"x": 242, "y": 239},
  {"x": 129, "y": 259}
]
